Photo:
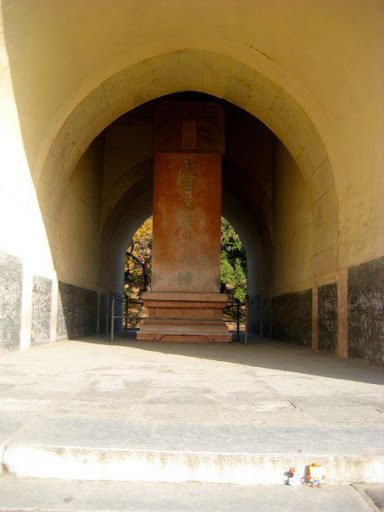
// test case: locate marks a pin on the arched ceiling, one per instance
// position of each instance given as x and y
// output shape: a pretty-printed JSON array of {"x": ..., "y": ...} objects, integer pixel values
[
  {"x": 242, "y": 86},
  {"x": 59, "y": 52},
  {"x": 247, "y": 164},
  {"x": 247, "y": 183},
  {"x": 135, "y": 206},
  {"x": 311, "y": 71}
]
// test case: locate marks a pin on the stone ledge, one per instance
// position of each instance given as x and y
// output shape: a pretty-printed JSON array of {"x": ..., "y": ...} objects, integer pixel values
[
  {"x": 135, "y": 465},
  {"x": 185, "y": 296}
]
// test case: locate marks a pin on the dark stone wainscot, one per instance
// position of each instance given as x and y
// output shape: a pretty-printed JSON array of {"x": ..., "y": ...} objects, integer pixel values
[
  {"x": 11, "y": 286},
  {"x": 292, "y": 317},
  {"x": 366, "y": 311}
]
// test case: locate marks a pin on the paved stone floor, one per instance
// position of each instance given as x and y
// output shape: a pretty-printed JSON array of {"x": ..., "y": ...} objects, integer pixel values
[
  {"x": 263, "y": 383},
  {"x": 237, "y": 414}
]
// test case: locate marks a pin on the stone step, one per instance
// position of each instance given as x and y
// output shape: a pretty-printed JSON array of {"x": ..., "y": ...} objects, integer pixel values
[
  {"x": 100, "y": 449},
  {"x": 25, "y": 495}
]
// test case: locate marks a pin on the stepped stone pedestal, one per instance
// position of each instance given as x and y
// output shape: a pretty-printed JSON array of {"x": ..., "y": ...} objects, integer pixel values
[
  {"x": 195, "y": 317},
  {"x": 185, "y": 303}
]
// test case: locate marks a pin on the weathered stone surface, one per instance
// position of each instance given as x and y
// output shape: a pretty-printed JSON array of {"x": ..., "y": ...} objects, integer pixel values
[
  {"x": 254, "y": 314},
  {"x": 41, "y": 310},
  {"x": 189, "y": 141},
  {"x": 34, "y": 494},
  {"x": 327, "y": 317},
  {"x": 267, "y": 400},
  {"x": 184, "y": 317},
  {"x": 186, "y": 223},
  {"x": 189, "y": 126},
  {"x": 77, "y": 311},
  {"x": 292, "y": 317},
  {"x": 102, "y": 313},
  {"x": 266, "y": 317},
  {"x": 11, "y": 282},
  {"x": 366, "y": 311}
]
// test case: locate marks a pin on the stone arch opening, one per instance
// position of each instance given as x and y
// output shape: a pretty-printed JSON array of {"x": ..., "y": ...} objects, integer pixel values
[
  {"x": 137, "y": 264},
  {"x": 253, "y": 224},
  {"x": 140, "y": 246},
  {"x": 303, "y": 87},
  {"x": 238, "y": 84},
  {"x": 283, "y": 115}
]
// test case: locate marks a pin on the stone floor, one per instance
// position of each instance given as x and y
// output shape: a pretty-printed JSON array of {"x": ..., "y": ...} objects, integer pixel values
[
  {"x": 93, "y": 410},
  {"x": 66, "y": 496}
]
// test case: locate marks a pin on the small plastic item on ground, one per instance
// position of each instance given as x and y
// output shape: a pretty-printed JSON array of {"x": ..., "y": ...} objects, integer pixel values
[
  {"x": 293, "y": 477},
  {"x": 315, "y": 477}
]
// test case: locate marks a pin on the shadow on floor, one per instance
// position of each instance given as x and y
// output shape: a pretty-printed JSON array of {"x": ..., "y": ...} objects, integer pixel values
[{"x": 261, "y": 353}]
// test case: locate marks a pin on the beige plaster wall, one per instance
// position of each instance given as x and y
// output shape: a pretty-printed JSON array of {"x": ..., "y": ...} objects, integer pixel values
[
  {"x": 280, "y": 60},
  {"x": 311, "y": 71},
  {"x": 78, "y": 259},
  {"x": 128, "y": 143},
  {"x": 22, "y": 231},
  {"x": 293, "y": 240}
]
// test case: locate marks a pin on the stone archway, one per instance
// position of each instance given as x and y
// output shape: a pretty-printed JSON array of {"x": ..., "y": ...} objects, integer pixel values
[
  {"x": 311, "y": 75},
  {"x": 238, "y": 84},
  {"x": 241, "y": 86}
]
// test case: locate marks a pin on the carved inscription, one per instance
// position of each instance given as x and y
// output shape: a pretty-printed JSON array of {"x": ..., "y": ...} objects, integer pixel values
[
  {"x": 189, "y": 126},
  {"x": 187, "y": 187}
]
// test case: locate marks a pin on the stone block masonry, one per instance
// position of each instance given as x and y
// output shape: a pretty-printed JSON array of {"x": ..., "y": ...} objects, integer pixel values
[
  {"x": 77, "y": 308},
  {"x": 103, "y": 313},
  {"x": 266, "y": 320},
  {"x": 327, "y": 318},
  {"x": 292, "y": 317},
  {"x": 77, "y": 311},
  {"x": 366, "y": 311},
  {"x": 80, "y": 312},
  {"x": 11, "y": 282},
  {"x": 41, "y": 310},
  {"x": 291, "y": 314}
]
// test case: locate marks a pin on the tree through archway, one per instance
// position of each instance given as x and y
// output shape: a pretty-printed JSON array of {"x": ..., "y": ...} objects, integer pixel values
[
  {"x": 233, "y": 268},
  {"x": 233, "y": 263}
]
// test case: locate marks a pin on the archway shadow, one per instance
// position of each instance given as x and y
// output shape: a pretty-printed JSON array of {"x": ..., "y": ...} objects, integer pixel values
[{"x": 259, "y": 353}]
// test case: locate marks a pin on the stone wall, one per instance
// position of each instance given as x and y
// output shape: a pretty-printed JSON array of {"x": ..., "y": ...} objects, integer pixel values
[
  {"x": 80, "y": 311},
  {"x": 102, "y": 313},
  {"x": 266, "y": 323},
  {"x": 291, "y": 314},
  {"x": 77, "y": 308},
  {"x": 41, "y": 310},
  {"x": 292, "y": 317},
  {"x": 327, "y": 318},
  {"x": 366, "y": 311},
  {"x": 11, "y": 283},
  {"x": 77, "y": 311},
  {"x": 255, "y": 314}
]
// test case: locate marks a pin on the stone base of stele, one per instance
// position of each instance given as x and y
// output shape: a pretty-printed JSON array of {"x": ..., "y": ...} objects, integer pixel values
[{"x": 184, "y": 317}]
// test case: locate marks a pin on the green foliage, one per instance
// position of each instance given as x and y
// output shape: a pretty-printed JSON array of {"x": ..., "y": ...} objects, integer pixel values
[
  {"x": 138, "y": 260},
  {"x": 233, "y": 264}
]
